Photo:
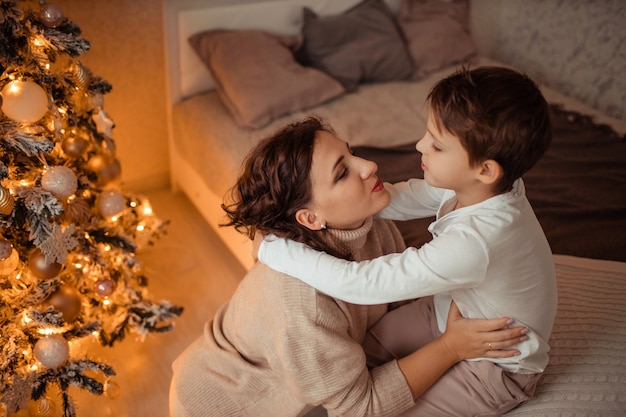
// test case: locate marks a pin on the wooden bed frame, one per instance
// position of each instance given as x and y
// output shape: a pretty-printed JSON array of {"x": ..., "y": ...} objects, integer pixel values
[{"x": 185, "y": 76}]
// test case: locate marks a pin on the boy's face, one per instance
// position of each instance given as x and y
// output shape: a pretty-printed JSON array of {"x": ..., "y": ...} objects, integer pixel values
[{"x": 444, "y": 160}]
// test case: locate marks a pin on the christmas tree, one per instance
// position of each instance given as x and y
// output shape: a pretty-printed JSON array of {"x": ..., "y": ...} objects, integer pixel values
[{"x": 68, "y": 234}]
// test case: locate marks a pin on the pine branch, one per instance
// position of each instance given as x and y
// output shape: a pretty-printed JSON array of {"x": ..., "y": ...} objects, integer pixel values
[
  {"x": 31, "y": 145},
  {"x": 103, "y": 236}
]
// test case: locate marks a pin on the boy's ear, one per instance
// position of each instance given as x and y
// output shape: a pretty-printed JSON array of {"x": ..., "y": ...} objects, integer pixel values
[
  {"x": 489, "y": 172},
  {"x": 308, "y": 219}
]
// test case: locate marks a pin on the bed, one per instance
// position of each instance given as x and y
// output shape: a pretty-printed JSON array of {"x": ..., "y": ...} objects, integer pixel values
[{"x": 578, "y": 189}]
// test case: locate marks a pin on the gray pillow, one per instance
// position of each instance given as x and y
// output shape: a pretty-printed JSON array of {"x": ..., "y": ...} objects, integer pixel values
[
  {"x": 437, "y": 33},
  {"x": 363, "y": 44}
]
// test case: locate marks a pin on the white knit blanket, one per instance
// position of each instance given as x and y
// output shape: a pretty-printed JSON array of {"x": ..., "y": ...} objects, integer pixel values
[{"x": 586, "y": 375}]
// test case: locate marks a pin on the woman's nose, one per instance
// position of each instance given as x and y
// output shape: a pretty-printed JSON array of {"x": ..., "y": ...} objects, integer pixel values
[{"x": 368, "y": 168}]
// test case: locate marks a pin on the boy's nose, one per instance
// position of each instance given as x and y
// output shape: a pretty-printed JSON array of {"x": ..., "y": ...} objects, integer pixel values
[{"x": 419, "y": 146}]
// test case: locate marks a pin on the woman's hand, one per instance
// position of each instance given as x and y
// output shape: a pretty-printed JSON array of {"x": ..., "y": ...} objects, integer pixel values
[{"x": 473, "y": 338}]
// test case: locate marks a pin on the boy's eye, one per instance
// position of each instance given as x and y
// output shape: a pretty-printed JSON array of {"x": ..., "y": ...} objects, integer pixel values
[{"x": 436, "y": 148}]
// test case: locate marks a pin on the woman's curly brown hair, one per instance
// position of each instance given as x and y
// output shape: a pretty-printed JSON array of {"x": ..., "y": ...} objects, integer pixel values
[{"x": 274, "y": 184}]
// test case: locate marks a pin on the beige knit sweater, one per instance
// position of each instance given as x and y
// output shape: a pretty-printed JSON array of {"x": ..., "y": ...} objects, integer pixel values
[{"x": 279, "y": 347}]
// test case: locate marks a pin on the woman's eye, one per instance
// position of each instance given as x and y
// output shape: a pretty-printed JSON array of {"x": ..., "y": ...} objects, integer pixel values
[{"x": 342, "y": 174}]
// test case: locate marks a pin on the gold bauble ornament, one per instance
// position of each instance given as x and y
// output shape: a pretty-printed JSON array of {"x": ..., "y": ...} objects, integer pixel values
[
  {"x": 51, "y": 15},
  {"x": 42, "y": 268},
  {"x": 9, "y": 265},
  {"x": 67, "y": 300},
  {"x": 74, "y": 146},
  {"x": 107, "y": 169},
  {"x": 81, "y": 76},
  {"x": 43, "y": 407},
  {"x": 7, "y": 202}
]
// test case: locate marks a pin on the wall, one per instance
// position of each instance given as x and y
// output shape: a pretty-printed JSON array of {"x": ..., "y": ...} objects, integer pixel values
[
  {"x": 578, "y": 47},
  {"x": 126, "y": 39}
]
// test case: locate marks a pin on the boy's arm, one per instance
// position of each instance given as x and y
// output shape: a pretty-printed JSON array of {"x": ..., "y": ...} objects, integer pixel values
[
  {"x": 455, "y": 260},
  {"x": 411, "y": 199}
]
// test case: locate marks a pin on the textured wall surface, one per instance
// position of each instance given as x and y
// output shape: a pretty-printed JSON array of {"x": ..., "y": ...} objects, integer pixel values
[
  {"x": 577, "y": 47},
  {"x": 126, "y": 39}
]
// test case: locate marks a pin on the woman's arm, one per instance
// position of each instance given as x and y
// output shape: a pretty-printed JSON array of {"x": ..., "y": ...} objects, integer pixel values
[{"x": 463, "y": 339}]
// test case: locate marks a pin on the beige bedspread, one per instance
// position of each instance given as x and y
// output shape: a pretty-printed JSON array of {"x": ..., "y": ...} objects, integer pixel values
[{"x": 210, "y": 140}]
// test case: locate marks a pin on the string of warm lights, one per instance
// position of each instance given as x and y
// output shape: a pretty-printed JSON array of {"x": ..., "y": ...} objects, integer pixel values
[{"x": 69, "y": 276}]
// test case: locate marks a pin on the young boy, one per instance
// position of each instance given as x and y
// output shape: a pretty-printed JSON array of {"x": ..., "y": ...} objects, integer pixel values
[{"x": 486, "y": 128}]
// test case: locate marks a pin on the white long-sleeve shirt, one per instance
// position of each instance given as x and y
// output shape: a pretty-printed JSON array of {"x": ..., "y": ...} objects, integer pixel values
[{"x": 492, "y": 258}]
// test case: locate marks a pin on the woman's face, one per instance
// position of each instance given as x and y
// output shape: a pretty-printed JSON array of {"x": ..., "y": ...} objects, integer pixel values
[{"x": 346, "y": 190}]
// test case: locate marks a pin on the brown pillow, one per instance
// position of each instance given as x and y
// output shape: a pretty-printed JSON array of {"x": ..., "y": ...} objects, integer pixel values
[
  {"x": 257, "y": 76},
  {"x": 437, "y": 33},
  {"x": 360, "y": 45}
]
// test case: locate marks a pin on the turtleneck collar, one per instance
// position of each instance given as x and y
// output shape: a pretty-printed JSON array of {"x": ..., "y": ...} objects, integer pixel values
[{"x": 353, "y": 239}]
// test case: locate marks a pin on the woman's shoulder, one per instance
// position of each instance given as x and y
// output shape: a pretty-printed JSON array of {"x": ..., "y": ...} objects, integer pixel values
[{"x": 385, "y": 237}]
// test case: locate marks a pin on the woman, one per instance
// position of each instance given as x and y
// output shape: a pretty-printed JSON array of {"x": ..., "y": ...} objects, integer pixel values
[{"x": 279, "y": 347}]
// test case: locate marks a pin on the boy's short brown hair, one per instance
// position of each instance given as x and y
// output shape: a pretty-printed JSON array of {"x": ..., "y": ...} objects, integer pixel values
[{"x": 497, "y": 113}]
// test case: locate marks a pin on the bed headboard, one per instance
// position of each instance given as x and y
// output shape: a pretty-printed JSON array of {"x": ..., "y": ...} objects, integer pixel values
[{"x": 185, "y": 72}]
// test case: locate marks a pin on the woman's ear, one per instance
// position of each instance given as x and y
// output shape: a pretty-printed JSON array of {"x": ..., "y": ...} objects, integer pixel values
[
  {"x": 308, "y": 219},
  {"x": 489, "y": 172}
]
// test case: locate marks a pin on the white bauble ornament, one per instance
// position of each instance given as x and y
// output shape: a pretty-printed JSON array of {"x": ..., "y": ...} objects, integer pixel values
[
  {"x": 110, "y": 203},
  {"x": 60, "y": 181},
  {"x": 24, "y": 101},
  {"x": 52, "y": 351}
]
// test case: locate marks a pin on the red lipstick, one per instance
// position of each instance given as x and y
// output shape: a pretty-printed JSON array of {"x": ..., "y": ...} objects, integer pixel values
[{"x": 378, "y": 186}]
